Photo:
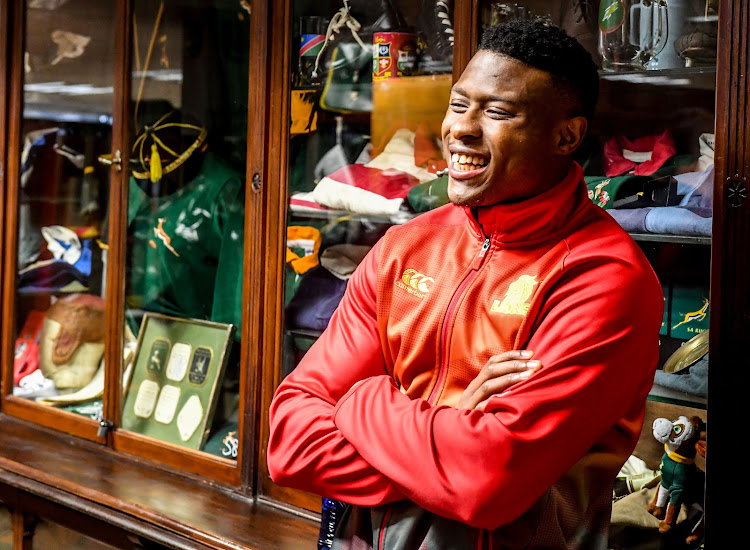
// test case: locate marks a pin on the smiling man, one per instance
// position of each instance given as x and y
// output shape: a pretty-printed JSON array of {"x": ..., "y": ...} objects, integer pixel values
[{"x": 484, "y": 377}]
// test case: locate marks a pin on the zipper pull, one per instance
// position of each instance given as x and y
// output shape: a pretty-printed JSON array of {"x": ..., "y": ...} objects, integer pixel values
[
  {"x": 480, "y": 257},
  {"x": 485, "y": 247}
]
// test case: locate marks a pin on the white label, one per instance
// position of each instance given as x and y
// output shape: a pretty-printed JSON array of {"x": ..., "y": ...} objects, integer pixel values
[
  {"x": 167, "y": 405},
  {"x": 146, "y": 398},
  {"x": 178, "y": 361},
  {"x": 190, "y": 417}
]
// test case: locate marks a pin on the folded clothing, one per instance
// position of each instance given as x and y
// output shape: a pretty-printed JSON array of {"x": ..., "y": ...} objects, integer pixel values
[
  {"x": 698, "y": 189},
  {"x": 302, "y": 247},
  {"x": 342, "y": 259},
  {"x": 51, "y": 275},
  {"x": 678, "y": 220},
  {"x": 632, "y": 220},
  {"x": 305, "y": 202},
  {"x": 693, "y": 380},
  {"x": 317, "y": 297},
  {"x": 365, "y": 190}
]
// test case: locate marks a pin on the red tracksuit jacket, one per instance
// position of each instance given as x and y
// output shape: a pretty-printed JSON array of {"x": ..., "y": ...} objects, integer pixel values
[{"x": 368, "y": 415}]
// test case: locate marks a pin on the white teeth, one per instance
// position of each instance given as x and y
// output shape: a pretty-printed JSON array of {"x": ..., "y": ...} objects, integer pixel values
[{"x": 466, "y": 162}]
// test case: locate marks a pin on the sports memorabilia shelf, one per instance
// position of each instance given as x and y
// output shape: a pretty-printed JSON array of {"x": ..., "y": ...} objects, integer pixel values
[{"x": 187, "y": 187}]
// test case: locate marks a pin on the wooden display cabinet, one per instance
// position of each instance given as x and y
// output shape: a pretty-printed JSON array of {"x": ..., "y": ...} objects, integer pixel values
[{"x": 126, "y": 490}]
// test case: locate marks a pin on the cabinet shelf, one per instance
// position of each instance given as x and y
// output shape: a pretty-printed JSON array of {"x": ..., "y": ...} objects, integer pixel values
[
  {"x": 691, "y": 77},
  {"x": 683, "y": 400},
  {"x": 398, "y": 219},
  {"x": 677, "y": 239},
  {"x": 52, "y": 112},
  {"x": 661, "y": 73}
]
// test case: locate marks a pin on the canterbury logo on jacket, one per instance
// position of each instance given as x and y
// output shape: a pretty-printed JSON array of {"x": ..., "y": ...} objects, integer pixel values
[{"x": 368, "y": 416}]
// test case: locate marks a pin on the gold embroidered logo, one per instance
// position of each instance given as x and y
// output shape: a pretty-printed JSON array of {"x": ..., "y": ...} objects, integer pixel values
[
  {"x": 415, "y": 283},
  {"x": 515, "y": 299}
]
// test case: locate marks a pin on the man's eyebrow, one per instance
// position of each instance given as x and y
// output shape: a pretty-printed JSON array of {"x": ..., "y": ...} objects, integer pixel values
[{"x": 462, "y": 92}]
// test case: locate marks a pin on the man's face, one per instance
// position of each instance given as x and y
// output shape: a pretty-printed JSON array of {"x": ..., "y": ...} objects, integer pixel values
[{"x": 500, "y": 132}]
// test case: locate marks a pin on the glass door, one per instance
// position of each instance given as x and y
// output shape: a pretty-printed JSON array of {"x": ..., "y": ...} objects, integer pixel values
[
  {"x": 57, "y": 202},
  {"x": 184, "y": 230},
  {"x": 648, "y": 161},
  {"x": 368, "y": 88}
]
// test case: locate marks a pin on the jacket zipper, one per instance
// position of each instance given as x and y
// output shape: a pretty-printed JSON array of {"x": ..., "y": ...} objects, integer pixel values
[
  {"x": 475, "y": 265},
  {"x": 442, "y": 372}
]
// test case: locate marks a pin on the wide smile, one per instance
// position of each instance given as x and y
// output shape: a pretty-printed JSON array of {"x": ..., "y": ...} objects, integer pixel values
[{"x": 465, "y": 166}]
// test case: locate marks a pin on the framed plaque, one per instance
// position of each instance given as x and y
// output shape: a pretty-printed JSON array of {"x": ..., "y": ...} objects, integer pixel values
[{"x": 178, "y": 372}]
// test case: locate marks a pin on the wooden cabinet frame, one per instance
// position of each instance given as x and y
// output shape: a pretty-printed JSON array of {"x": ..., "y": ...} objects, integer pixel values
[
  {"x": 239, "y": 473},
  {"x": 265, "y": 208}
]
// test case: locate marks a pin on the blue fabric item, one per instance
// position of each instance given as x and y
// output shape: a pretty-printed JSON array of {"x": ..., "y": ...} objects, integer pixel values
[
  {"x": 632, "y": 220},
  {"x": 693, "y": 380},
  {"x": 696, "y": 187},
  {"x": 677, "y": 220},
  {"x": 50, "y": 275},
  {"x": 84, "y": 262},
  {"x": 317, "y": 297}
]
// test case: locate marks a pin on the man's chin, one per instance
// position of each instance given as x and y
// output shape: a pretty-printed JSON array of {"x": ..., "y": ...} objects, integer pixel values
[{"x": 471, "y": 200}]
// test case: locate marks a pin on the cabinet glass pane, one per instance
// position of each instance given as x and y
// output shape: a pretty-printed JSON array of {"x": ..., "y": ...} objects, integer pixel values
[
  {"x": 185, "y": 219},
  {"x": 48, "y": 534},
  {"x": 6, "y": 529},
  {"x": 648, "y": 161},
  {"x": 364, "y": 146},
  {"x": 62, "y": 205}
]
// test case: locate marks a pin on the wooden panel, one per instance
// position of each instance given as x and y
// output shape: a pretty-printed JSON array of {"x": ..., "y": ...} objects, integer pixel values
[
  {"x": 118, "y": 201},
  {"x": 259, "y": 180},
  {"x": 730, "y": 321},
  {"x": 50, "y": 417},
  {"x": 466, "y": 30},
  {"x": 138, "y": 496},
  {"x": 275, "y": 204},
  {"x": 206, "y": 465},
  {"x": 4, "y": 80},
  {"x": 23, "y": 526},
  {"x": 275, "y": 198},
  {"x": 12, "y": 133}
]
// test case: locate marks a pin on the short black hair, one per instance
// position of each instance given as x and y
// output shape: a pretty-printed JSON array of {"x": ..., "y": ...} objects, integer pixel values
[{"x": 546, "y": 47}]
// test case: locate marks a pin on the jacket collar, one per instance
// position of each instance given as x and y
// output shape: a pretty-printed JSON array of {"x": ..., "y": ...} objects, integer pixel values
[{"x": 535, "y": 219}]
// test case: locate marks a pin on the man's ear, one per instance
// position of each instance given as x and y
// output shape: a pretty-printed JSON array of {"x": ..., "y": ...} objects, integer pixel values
[{"x": 570, "y": 134}]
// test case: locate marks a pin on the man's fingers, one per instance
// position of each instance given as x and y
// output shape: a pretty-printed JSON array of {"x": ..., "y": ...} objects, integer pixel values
[
  {"x": 510, "y": 355},
  {"x": 499, "y": 373},
  {"x": 501, "y": 383},
  {"x": 493, "y": 370}
]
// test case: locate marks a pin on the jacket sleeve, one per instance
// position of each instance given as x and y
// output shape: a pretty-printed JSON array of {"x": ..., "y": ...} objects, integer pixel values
[
  {"x": 598, "y": 344},
  {"x": 305, "y": 449}
]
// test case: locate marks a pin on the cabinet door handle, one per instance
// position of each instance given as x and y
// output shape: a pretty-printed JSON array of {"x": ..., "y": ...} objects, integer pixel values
[{"x": 112, "y": 160}]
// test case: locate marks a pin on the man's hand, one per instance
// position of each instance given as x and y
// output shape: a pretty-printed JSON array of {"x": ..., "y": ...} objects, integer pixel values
[{"x": 501, "y": 372}]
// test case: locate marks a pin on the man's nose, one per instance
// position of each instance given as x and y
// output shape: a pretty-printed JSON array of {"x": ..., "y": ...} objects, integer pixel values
[{"x": 466, "y": 125}]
